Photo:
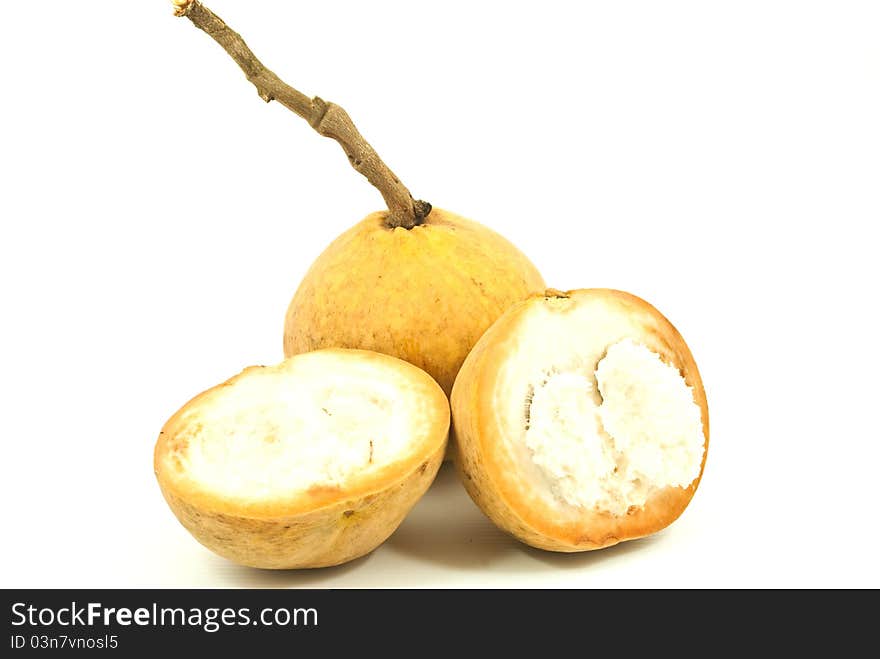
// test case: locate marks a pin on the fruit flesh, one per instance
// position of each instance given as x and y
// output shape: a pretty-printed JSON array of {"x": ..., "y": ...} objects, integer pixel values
[
  {"x": 644, "y": 434},
  {"x": 274, "y": 436}
]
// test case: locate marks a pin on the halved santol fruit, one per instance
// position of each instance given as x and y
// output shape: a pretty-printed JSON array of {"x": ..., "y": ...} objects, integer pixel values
[
  {"x": 581, "y": 420},
  {"x": 310, "y": 463}
]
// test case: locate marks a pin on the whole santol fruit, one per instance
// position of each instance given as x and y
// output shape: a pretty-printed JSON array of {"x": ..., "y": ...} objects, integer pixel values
[
  {"x": 424, "y": 295},
  {"x": 310, "y": 463},
  {"x": 581, "y": 420},
  {"x": 414, "y": 282}
]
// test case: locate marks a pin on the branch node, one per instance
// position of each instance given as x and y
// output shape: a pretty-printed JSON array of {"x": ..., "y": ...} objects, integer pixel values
[{"x": 319, "y": 111}]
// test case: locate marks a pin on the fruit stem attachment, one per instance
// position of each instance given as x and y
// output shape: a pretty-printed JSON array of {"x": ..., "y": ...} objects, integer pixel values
[{"x": 328, "y": 119}]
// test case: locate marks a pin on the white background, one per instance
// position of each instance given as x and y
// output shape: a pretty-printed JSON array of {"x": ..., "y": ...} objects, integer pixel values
[{"x": 721, "y": 160}]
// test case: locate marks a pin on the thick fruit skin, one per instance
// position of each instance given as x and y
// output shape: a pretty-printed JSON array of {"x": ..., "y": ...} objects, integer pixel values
[
  {"x": 332, "y": 535},
  {"x": 424, "y": 295}
]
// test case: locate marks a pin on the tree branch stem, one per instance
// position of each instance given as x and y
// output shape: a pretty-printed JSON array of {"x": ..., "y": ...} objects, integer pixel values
[{"x": 328, "y": 119}]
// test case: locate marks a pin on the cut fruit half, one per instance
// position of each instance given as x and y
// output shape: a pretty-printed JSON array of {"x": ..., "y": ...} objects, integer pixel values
[
  {"x": 310, "y": 463},
  {"x": 581, "y": 420}
]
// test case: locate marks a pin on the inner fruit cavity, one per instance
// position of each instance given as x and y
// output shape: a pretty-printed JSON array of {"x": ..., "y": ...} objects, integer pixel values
[
  {"x": 645, "y": 434},
  {"x": 271, "y": 437}
]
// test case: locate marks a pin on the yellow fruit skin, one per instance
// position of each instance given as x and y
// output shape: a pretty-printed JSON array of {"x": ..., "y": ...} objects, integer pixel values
[
  {"x": 328, "y": 536},
  {"x": 424, "y": 295}
]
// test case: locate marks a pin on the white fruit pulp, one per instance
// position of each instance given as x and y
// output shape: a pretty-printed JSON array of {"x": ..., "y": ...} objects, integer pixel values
[
  {"x": 607, "y": 439},
  {"x": 271, "y": 435}
]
